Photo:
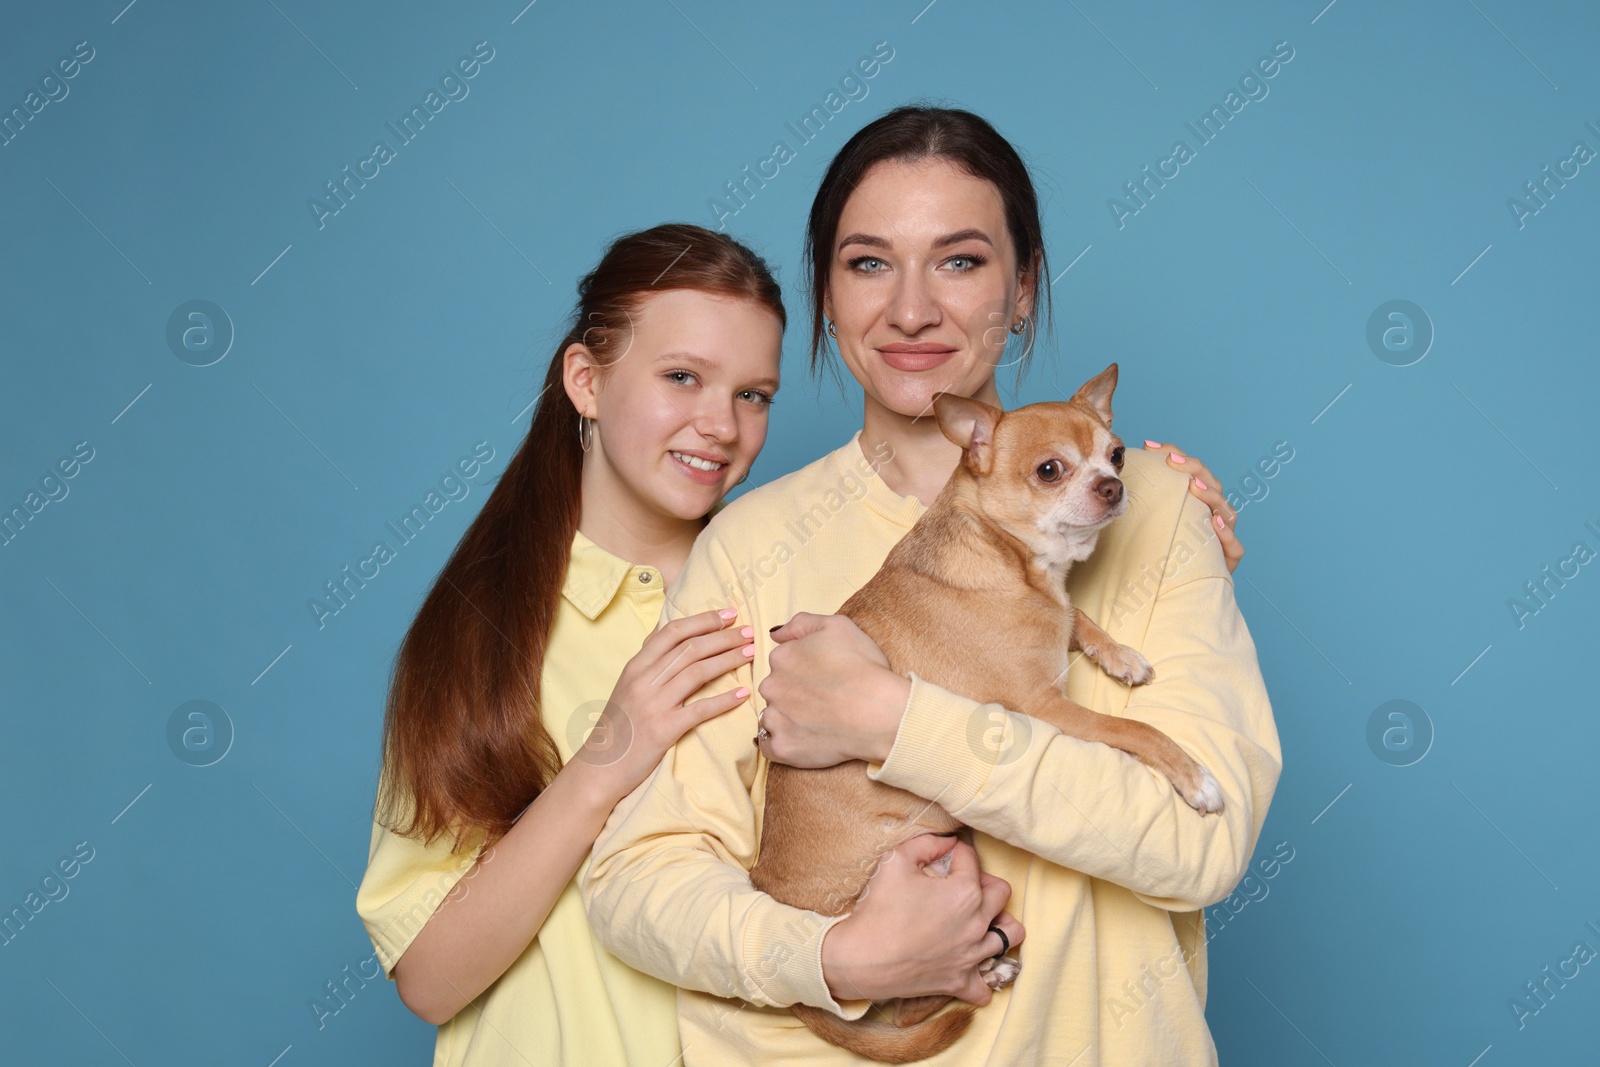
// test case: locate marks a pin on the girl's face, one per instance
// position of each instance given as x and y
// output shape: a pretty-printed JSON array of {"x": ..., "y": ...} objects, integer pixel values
[
  {"x": 924, "y": 284},
  {"x": 682, "y": 414}
]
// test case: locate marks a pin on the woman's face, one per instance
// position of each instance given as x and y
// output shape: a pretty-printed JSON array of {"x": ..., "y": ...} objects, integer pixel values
[
  {"x": 692, "y": 387},
  {"x": 923, "y": 284}
]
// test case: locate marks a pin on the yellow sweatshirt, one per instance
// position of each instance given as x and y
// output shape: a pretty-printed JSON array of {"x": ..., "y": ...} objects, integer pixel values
[
  {"x": 1109, "y": 868},
  {"x": 565, "y": 1000}
]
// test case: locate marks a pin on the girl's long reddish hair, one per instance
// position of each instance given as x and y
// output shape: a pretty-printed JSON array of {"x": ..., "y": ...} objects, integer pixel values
[{"x": 465, "y": 749}]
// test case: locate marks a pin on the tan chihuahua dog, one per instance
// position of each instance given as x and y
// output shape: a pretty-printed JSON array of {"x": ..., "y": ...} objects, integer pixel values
[{"x": 973, "y": 599}]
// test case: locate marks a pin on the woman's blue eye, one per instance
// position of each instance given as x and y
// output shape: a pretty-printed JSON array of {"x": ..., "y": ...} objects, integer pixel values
[
  {"x": 855, "y": 264},
  {"x": 976, "y": 261}
]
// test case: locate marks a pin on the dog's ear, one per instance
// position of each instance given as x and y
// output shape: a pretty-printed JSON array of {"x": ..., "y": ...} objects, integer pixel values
[
  {"x": 1096, "y": 392},
  {"x": 970, "y": 424}
]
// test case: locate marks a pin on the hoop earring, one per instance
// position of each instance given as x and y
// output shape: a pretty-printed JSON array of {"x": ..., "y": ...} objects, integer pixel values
[
  {"x": 1020, "y": 325},
  {"x": 832, "y": 332},
  {"x": 583, "y": 442},
  {"x": 742, "y": 477}
]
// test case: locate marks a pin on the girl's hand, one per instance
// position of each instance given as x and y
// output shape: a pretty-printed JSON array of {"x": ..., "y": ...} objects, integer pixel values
[
  {"x": 646, "y": 713},
  {"x": 1205, "y": 486},
  {"x": 830, "y": 695},
  {"x": 918, "y": 930}
]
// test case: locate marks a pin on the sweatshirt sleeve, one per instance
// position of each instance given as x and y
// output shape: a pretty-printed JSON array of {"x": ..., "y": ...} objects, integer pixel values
[
  {"x": 667, "y": 889},
  {"x": 1095, "y": 809}
]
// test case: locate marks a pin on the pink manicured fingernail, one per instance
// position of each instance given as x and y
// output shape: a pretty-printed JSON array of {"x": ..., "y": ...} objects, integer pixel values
[
  {"x": 1151, "y": 444},
  {"x": 741, "y": 692},
  {"x": 1177, "y": 458},
  {"x": 748, "y": 650},
  {"x": 1199, "y": 483},
  {"x": 1217, "y": 519},
  {"x": 747, "y": 631},
  {"x": 728, "y": 613}
]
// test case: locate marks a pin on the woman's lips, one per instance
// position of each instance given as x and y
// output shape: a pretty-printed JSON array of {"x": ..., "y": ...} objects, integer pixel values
[{"x": 915, "y": 357}]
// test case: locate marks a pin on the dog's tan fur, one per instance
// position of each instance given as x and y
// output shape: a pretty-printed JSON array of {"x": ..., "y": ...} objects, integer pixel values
[{"x": 972, "y": 599}]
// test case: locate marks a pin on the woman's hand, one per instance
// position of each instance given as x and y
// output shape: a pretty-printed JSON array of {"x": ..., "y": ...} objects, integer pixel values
[
  {"x": 918, "y": 931},
  {"x": 830, "y": 695},
  {"x": 1203, "y": 484},
  {"x": 646, "y": 713}
]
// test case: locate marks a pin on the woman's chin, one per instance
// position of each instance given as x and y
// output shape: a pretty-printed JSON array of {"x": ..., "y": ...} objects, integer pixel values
[
  {"x": 911, "y": 394},
  {"x": 911, "y": 399}
]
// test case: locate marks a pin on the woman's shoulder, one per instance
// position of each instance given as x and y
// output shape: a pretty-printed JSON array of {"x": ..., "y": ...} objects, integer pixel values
[
  {"x": 1163, "y": 519},
  {"x": 1152, "y": 484},
  {"x": 772, "y": 503}
]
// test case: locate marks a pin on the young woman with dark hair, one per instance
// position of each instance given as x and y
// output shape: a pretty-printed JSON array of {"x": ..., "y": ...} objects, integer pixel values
[{"x": 928, "y": 262}]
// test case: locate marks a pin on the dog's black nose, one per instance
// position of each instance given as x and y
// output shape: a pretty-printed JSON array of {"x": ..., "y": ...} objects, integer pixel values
[{"x": 1109, "y": 490}]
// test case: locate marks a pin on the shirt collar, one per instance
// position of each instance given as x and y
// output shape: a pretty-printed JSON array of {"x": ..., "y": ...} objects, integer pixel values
[
  {"x": 593, "y": 576},
  {"x": 852, "y": 461}
]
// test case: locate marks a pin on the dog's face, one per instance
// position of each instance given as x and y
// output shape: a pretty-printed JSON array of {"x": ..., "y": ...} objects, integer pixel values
[{"x": 1049, "y": 474}]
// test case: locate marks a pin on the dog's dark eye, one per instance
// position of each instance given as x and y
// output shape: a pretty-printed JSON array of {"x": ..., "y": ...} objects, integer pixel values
[
  {"x": 1116, "y": 457},
  {"x": 1050, "y": 470}
]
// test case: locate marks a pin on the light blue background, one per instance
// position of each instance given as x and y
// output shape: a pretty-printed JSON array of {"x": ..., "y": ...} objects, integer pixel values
[{"x": 376, "y": 350}]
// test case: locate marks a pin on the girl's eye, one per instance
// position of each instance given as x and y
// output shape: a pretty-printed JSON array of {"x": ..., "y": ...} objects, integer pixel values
[
  {"x": 856, "y": 263},
  {"x": 764, "y": 399},
  {"x": 674, "y": 375}
]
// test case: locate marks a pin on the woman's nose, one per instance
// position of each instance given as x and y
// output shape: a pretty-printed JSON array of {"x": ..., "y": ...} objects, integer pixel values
[{"x": 913, "y": 305}]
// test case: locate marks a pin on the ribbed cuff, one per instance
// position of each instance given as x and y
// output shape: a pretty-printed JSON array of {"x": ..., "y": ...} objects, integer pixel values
[
  {"x": 783, "y": 960},
  {"x": 939, "y": 752}
]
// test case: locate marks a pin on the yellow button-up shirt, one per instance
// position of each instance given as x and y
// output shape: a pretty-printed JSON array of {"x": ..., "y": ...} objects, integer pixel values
[
  {"x": 1109, "y": 868},
  {"x": 566, "y": 1000}
]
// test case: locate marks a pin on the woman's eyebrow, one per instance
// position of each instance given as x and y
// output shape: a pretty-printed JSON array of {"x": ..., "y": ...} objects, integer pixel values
[
  {"x": 963, "y": 235},
  {"x": 872, "y": 241},
  {"x": 865, "y": 239}
]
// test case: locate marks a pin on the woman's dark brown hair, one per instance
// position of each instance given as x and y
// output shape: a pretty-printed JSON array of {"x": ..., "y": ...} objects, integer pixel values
[
  {"x": 464, "y": 742},
  {"x": 913, "y": 133}
]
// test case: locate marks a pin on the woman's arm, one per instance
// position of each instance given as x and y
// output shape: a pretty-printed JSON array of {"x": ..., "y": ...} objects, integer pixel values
[
  {"x": 1078, "y": 804},
  {"x": 668, "y": 889},
  {"x": 498, "y": 907}
]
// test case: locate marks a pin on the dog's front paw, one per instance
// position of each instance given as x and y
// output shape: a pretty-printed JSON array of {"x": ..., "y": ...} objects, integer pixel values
[
  {"x": 1204, "y": 794},
  {"x": 999, "y": 971},
  {"x": 1126, "y": 665}
]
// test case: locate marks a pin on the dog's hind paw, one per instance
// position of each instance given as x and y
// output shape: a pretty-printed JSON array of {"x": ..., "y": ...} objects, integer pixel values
[
  {"x": 1206, "y": 796},
  {"x": 999, "y": 971}
]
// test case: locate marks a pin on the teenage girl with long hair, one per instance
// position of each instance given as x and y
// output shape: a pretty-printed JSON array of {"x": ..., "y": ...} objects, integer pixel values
[{"x": 654, "y": 406}]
